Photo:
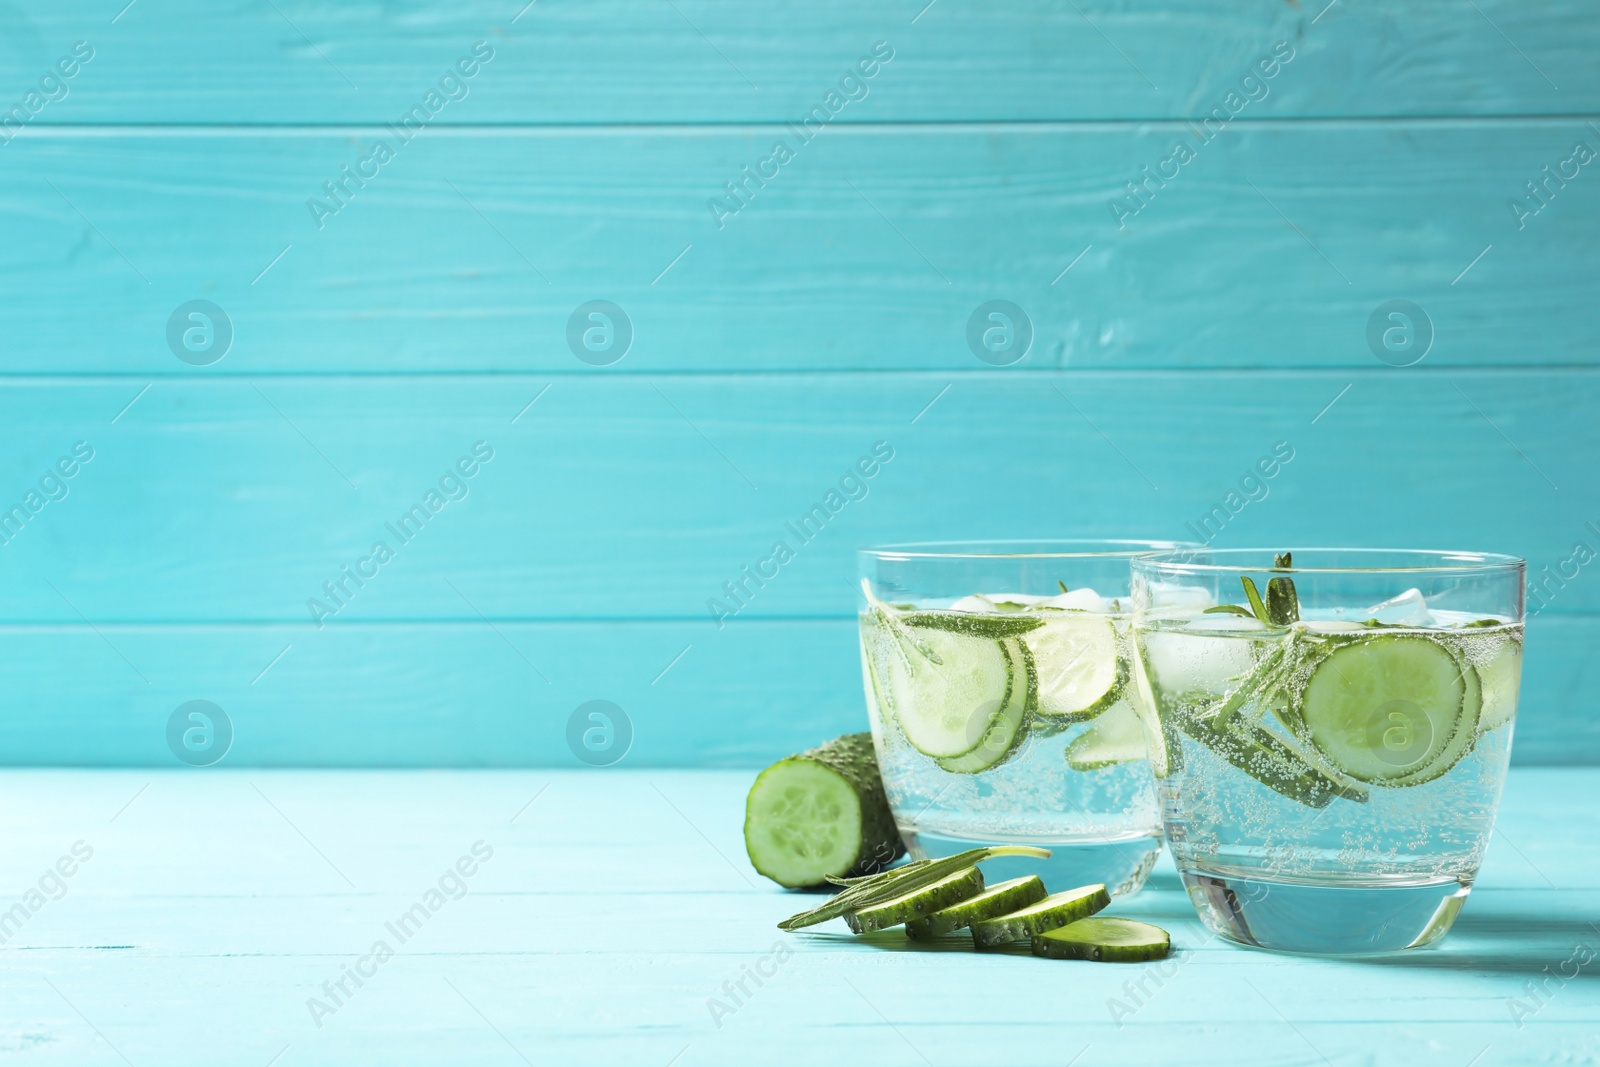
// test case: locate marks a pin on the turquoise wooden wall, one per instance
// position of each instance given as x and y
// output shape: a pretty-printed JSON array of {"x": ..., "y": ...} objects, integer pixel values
[{"x": 380, "y": 335}]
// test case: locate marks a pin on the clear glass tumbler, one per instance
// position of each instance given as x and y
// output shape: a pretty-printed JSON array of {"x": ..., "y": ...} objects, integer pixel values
[
  {"x": 1000, "y": 689},
  {"x": 1334, "y": 731}
]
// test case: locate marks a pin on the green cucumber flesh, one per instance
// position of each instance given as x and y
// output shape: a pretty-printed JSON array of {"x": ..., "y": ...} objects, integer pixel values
[
  {"x": 1500, "y": 676},
  {"x": 952, "y": 889},
  {"x": 1163, "y": 758},
  {"x": 945, "y": 688},
  {"x": 992, "y": 902},
  {"x": 1079, "y": 670},
  {"x": 1104, "y": 939},
  {"x": 1461, "y": 742},
  {"x": 1053, "y": 911},
  {"x": 821, "y": 814},
  {"x": 1004, "y": 733},
  {"x": 1391, "y": 708},
  {"x": 1117, "y": 736}
]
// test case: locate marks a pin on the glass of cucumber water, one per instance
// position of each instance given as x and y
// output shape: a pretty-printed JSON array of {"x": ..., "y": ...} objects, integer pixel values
[
  {"x": 999, "y": 683},
  {"x": 1333, "y": 731}
]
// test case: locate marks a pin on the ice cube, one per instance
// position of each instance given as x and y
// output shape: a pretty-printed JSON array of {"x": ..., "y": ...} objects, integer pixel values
[
  {"x": 1084, "y": 599},
  {"x": 1407, "y": 609},
  {"x": 983, "y": 602},
  {"x": 1171, "y": 595}
]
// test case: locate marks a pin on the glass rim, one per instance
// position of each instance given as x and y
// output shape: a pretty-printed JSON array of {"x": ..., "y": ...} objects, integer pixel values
[
  {"x": 1427, "y": 561},
  {"x": 1020, "y": 548}
]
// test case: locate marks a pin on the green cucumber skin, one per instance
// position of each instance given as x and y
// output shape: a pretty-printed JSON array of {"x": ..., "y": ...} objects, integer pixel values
[
  {"x": 852, "y": 757},
  {"x": 1023, "y": 893},
  {"x": 992, "y": 933},
  {"x": 941, "y": 895},
  {"x": 1052, "y": 950}
]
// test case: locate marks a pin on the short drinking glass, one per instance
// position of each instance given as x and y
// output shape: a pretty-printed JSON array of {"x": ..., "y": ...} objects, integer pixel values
[
  {"x": 1334, "y": 731},
  {"x": 1000, "y": 689}
]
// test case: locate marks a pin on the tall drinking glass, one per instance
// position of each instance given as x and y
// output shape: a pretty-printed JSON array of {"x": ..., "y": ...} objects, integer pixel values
[
  {"x": 1334, "y": 731},
  {"x": 1000, "y": 690}
]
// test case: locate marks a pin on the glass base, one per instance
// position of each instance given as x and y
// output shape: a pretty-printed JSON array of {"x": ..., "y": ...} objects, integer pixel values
[
  {"x": 1325, "y": 919},
  {"x": 1121, "y": 863}
]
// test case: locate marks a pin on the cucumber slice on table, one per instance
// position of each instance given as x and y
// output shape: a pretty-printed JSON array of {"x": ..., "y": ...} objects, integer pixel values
[
  {"x": 994, "y": 901},
  {"x": 1005, "y": 730},
  {"x": 1058, "y": 909},
  {"x": 1079, "y": 674},
  {"x": 1500, "y": 677},
  {"x": 1104, "y": 939},
  {"x": 821, "y": 814},
  {"x": 1395, "y": 709},
  {"x": 1116, "y": 737},
  {"x": 952, "y": 889}
]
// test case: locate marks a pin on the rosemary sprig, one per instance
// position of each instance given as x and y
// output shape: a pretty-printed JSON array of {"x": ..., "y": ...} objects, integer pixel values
[
  {"x": 877, "y": 888},
  {"x": 1253, "y": 595},
  {"x": 1283, "y": 604}
]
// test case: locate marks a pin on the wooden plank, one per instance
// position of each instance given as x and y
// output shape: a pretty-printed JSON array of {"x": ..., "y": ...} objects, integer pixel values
[
  {"x": 475, "y": 695},
  {"x": 210, "y": 913},
  {"x": 236, "y": 500},
  {"x": 718, "y": 61},
  {"x": 873, "y": 248}
]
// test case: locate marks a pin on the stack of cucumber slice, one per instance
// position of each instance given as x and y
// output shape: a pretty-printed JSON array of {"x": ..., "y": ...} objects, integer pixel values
[
  {"x": 965, "y": 688},
  {"x": 934, "y": 898}
]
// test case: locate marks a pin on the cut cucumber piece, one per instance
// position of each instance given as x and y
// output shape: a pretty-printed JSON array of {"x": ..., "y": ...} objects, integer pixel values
[
  {"x": 1005, "y": 730},
  {"x": 1461, "y": 741},
  {"x": 1267, "y": 758},
  {"x": 994, "y": 901},
  {"x": 1388, "y": 709},
  {"x": 1053, "y": 911},
  {"x": 993, "y": 625},
  {"x": 945, "y": 688},
  {"x": 1079, "y": 672},
  {"x": 1116, "y": 737},
  {"x": 1501, "y": 677},
  {"x": 952, "y": 889},
  {"x": 821, "y": 814},
  {"x": 1163, "y": 759},
  {"x": 860, "y": 893},
  {"x": 1104, "y": 939}
]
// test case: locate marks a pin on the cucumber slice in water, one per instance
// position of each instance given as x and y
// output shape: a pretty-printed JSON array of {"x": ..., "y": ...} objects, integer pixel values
[
  {"x": 821, "y": 814},
  {"x": 1079, "y": 674},
  {"x": 1461, "y": 741},
  {"x": 952, "y": 889},
  {"x": 1392, "y": 709},
  {"x": 1053, "y": 911},
  {"x": 1500, "y": 677},
  {"x": 1005, "y": 730},
  {"x": 945, "y": 688},
  {"x": 1116, "y": 737},
  {"x": 993, "y": 626},
  {"x": 994, "y": 901},
  {"x": 1162, "y": 758},
  {"x": 1104, "y": 939}
]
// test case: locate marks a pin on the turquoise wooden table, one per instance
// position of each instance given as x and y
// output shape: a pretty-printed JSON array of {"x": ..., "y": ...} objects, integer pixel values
[{"x": 609, "y": 917}]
